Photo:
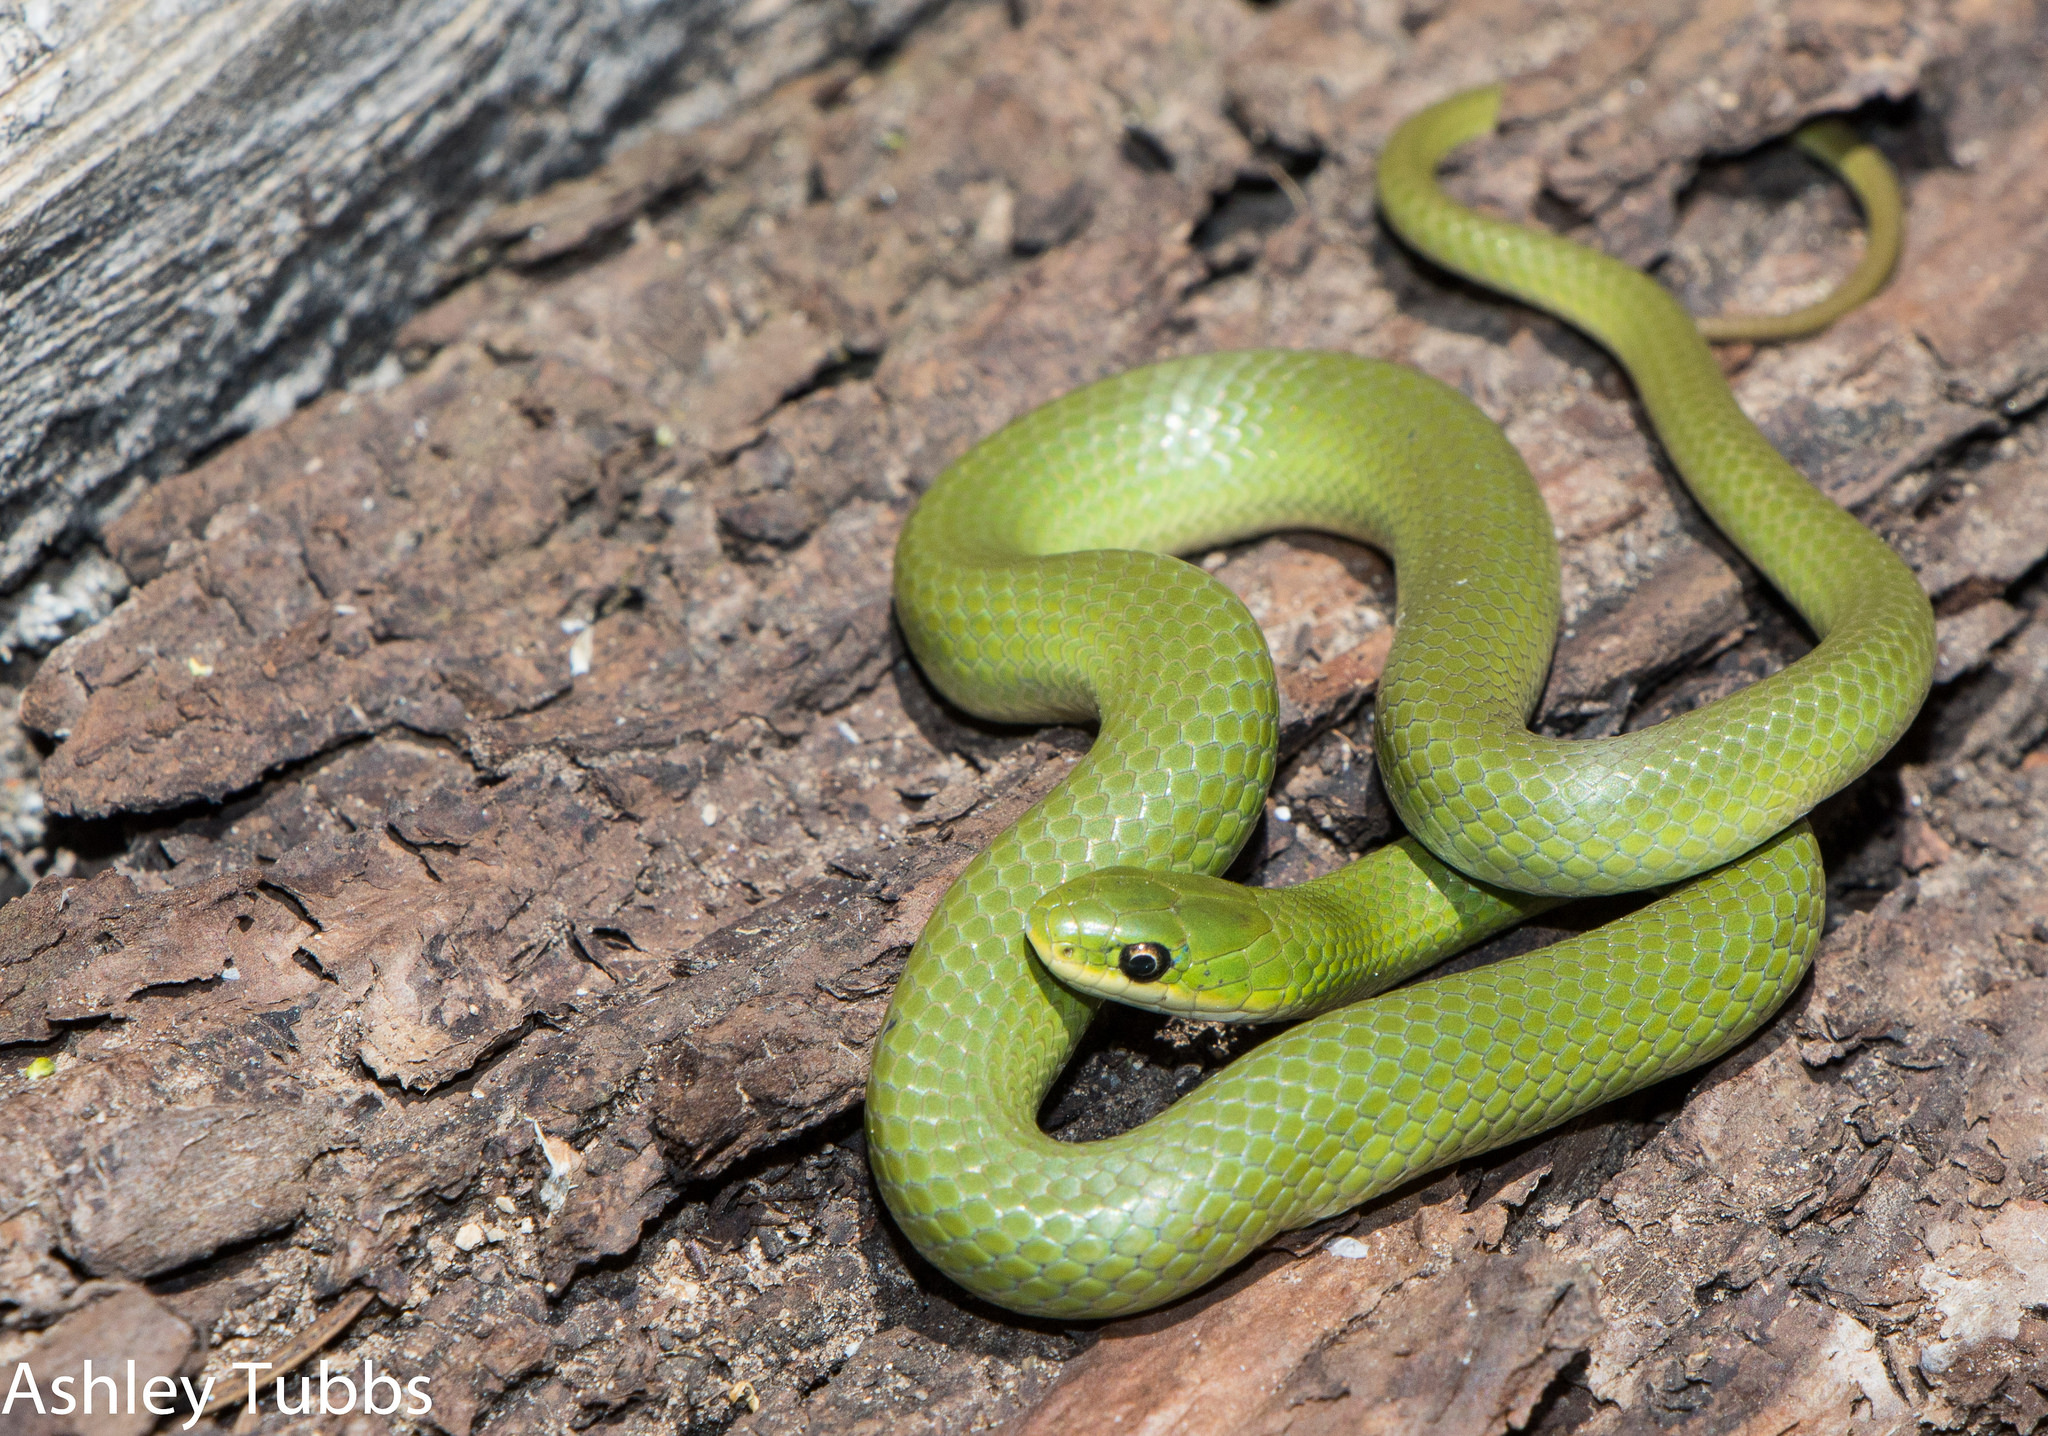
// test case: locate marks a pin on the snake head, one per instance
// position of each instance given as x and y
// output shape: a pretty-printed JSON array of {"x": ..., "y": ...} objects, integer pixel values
[{"x": 1173, "y": 942}]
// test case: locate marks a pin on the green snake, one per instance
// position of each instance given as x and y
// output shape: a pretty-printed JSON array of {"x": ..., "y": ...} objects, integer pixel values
[{"x": 1033, "y": 584}]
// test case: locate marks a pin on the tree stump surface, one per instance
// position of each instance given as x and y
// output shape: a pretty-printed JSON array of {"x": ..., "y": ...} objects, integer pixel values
[{"x": 497, "y": 814}]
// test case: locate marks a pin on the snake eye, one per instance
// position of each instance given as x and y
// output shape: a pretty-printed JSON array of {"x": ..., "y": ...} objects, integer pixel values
[{"x": 1144, "y": 961}]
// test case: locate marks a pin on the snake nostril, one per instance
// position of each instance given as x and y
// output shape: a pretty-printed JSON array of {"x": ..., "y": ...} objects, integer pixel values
[{"x": 1143, "y": 961}]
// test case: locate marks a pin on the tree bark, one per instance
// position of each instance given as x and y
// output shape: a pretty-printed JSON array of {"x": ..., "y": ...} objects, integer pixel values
[
  {"x": 499, "y": 811},
  {"x": 212, "y": 210}
]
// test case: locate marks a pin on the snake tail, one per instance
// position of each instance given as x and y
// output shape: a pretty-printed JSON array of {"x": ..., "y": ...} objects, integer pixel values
[
  {"x": 1870, "y": 177},
  {"x": 1637, "y": 809}
]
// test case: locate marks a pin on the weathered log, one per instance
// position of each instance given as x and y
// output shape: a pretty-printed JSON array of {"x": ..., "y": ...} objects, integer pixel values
[
  {"x": 502, "y": 805},
  {"x": 213, "y": 210}
]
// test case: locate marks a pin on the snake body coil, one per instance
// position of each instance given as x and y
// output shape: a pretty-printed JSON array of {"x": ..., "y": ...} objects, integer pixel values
[{"x": 1032, "y": 585}]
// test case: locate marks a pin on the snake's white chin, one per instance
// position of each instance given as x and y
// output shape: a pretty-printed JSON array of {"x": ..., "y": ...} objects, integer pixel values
[{"x": 1060, "y": 960}]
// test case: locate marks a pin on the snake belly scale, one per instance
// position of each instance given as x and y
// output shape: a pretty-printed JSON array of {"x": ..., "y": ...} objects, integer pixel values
[{"x": 1032, "y": 584}]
